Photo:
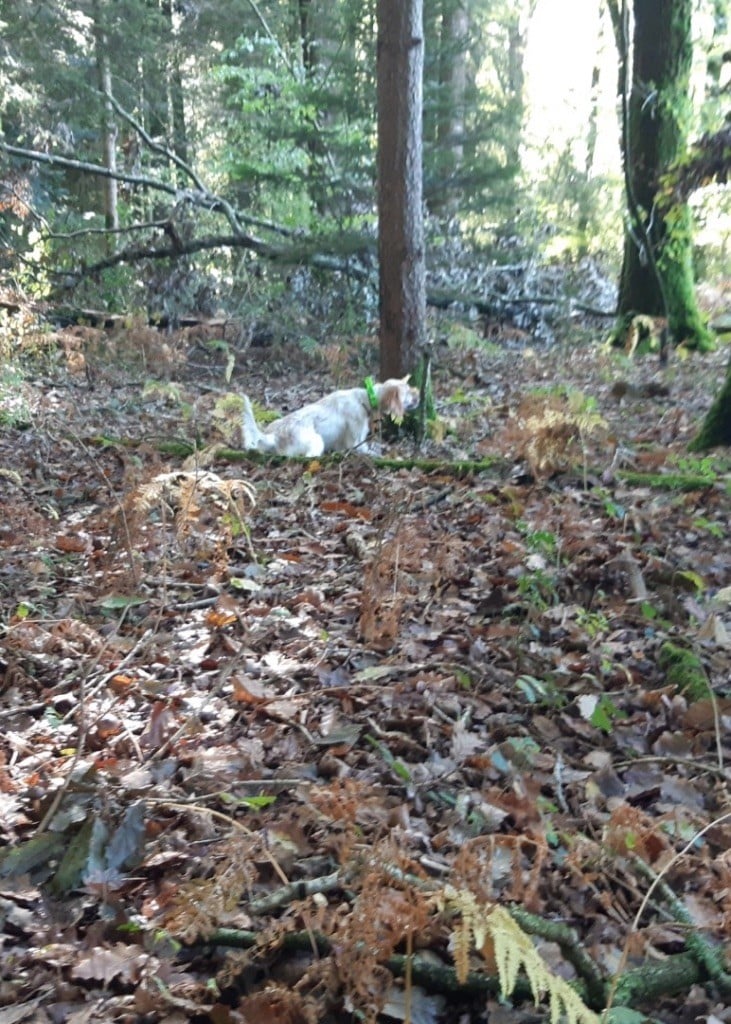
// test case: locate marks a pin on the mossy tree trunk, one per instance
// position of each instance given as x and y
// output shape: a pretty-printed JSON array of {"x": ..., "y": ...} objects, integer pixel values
[
  {"x": 658, "y": 113},
  {"x": 716, "y": 427}
]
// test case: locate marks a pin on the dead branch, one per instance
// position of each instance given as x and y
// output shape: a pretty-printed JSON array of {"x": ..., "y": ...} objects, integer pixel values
[
  {"x": 570, "y": 945},
  {"x": 199, "y": 196},
  {"x": 208, "y": 198},
  {"x": 53, "y": 160}
]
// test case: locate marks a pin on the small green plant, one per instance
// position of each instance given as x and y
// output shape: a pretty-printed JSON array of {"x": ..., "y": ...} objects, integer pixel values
[
  {"x": 714, "y": 529},
  {"x": 158, "y": 390},
  {"x": 541, "y": 542},
  {"x": 14, "y": 411},
  {"x": 395, "y": 764},
  {"x": 704, "y": 467},
  {"x": 255, "y": 803},
  {"x": 601, "y": 712},
  {"x": 593, "y": 623},
  {"x": 683, "y": 668},
  {"x": 464, "y": 338},
  {"x": 612, "y": 508},
  {"x": 542, "y": 692},
  {"x": 538, "y": 588}
]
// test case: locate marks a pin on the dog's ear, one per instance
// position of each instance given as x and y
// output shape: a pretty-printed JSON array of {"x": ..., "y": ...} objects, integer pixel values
[{"x": 391, "y": 401}]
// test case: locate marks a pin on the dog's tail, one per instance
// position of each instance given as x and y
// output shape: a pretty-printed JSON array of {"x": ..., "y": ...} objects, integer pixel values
[{"x": 252, "y": 435}]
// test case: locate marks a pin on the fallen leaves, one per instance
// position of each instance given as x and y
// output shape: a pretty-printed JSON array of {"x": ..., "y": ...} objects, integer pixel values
[{"x": 242, "y": 681}]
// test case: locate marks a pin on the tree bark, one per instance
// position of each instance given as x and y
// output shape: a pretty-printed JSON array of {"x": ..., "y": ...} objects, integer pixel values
[
  {"x": 402, "y": 275},
  {"x": 450, "y": 124},
  {"x": 109, "y": 126},
  {"x": 659, "y": 282},
  {"x": 716, "y": 427},
  {"x": 585, "y": 192},
  {"x": 176, "y": 92},
  {"x": 517, "y": 33}
]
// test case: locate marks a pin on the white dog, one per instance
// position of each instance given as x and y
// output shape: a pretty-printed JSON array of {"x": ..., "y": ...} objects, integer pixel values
[{"x": 337, "y": 422}]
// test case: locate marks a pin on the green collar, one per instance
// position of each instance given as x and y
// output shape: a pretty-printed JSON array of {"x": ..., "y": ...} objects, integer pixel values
[{"x": 371, "y": 391}]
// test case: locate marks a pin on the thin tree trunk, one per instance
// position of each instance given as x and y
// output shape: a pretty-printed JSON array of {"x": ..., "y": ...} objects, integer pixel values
[
  {"x": 517, "y": 21},
  {"x": 176, "y": 94},
  {"x": 585, "y": 194},
  {"x": 450, "y": 125},
  {"x": 402, "y": 276},
  {"x": 109, "y": 125}
]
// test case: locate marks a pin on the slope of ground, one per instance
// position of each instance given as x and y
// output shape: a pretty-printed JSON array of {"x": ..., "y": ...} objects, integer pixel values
[{"x": 276, "y": 738}]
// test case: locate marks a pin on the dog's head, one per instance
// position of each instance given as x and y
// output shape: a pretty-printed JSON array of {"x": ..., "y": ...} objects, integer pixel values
[{"x": 398, "y": 397}]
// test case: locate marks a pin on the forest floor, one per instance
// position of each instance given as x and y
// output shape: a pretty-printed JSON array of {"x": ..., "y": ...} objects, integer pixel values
[{"x": 277, "y": 739}]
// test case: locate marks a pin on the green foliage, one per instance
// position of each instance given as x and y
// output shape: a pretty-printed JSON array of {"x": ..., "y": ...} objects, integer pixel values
[
  {"x": 14, "y": 410},
  {"x": 714, "y": 529},
  {"x": 605, "y": 713},
  {"x": 538, "y": 588},
  {"x": 542, "y": 692},
  {"x": 395, "y": 764},
  {"x": 266, "y": 152},
  {"x": 704, "y": 468},
  {"x": 684, "y": 669},
  {"x": 540, "y": 541},
  {"x": 594, "y": 623}
]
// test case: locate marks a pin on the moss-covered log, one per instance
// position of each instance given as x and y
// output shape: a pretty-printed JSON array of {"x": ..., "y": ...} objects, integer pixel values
[{"x": 639, "y": 986}]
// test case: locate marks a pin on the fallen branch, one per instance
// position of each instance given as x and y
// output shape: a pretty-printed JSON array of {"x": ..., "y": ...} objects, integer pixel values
[
  {"x": 199, "y": 196},
  {"x": 435, "y": 977},
  {"x": 183, "y": 449},
  {"x": 639, "y": 985},
  {"x": 53, "y": 160}
]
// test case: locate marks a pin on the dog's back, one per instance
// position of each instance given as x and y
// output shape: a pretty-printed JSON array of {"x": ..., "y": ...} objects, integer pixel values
[{"x": 337, "y": 422}]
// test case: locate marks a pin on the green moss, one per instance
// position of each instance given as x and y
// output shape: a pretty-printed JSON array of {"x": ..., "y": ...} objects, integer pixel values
[
  {"x": 667, "y": 481},
  {"x": 684, "y": 669},
  {"x": 716, "y": 428}
]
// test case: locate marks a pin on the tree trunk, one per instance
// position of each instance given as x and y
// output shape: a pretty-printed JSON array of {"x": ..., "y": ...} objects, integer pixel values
[
  {"x": 659, "y": 282},
  {"x": 515, "y": 86},
  {"x": 109, "y": 125},
  {"x": 586, "y": 194},
  {"x": 402, "y": 277},
  {"x": 716, "y": 427},
  {"x": 176, "y": 93},
  {"x": 450, "y": 124}
]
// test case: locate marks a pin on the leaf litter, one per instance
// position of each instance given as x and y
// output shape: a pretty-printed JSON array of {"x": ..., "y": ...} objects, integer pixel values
[{"x": 264, "y": 726}]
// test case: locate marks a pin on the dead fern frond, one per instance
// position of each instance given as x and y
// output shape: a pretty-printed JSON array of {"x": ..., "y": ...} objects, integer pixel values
[
  {"x": 493, "y": 931},
  {"x": 388, "y": 582},
  {"x": 178, "y": 489},
  {"x": 278, "y": 1004},
  {"x": 200, "y": 905},
  {"x": 547, "y": 429},
  {"x": 389, "y": 911},
  {"x": 206, "y": 510},
  {"x": 503, "y": 866}
]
